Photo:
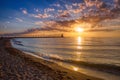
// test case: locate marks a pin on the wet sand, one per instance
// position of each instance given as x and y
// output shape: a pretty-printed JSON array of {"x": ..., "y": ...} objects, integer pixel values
[{"x": 16, "y": 65}]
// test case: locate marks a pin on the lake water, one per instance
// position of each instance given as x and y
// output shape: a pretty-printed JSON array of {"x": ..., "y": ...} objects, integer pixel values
[{"x": 98, "y": 57}]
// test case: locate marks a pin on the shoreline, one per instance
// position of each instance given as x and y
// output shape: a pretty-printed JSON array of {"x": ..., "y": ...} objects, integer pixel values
[{"x": 43, "y": 70}]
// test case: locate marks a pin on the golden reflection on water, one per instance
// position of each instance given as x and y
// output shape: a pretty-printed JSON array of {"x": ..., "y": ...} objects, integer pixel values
[
  {"x": 71, "y": 67},
  {"x": 78, "y": 53},
  {"x": 79, "y": 42},
  {"x": 75, "y": 68}
]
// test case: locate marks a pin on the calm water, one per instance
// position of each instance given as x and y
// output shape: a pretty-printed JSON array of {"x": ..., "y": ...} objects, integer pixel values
[{"x": 80, "y": 54}]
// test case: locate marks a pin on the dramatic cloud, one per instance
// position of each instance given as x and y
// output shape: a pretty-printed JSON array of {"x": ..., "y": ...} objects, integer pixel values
[
  {"x": 117, "y": 4},
  {"x": 18, "y": 19},
  {"x": 56, "y": 5},
  {"x": 48, "y": 10},
  {"x": 37, "y": 10},
  {"x": 24, "y": 12},
  {"x": 38, "y": 23},
  {"x": 65, "y": 15},
  {"x": 41, "y": 16},
  {"x": 87, "y": 14},
  {"x": 87, "y": 9}
]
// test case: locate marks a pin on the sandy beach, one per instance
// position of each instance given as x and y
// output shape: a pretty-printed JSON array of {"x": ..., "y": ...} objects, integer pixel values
[{"x": 16, "y": 65}]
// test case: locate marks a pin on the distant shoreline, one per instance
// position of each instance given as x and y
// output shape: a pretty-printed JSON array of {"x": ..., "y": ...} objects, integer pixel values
[{"x": 21, "y": 61}]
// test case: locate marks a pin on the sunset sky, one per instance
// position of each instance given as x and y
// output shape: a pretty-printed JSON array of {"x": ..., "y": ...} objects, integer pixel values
[{"x": 59, "y": 15}]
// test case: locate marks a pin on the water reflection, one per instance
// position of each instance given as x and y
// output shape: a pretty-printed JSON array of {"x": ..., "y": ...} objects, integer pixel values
[
  {"x": 68, "y": 66},
  {"x": 79, "y": 42},
  {"x": 79, "y": 47},
  {"x": 78, "y": 53},
  {"x": 74, "y": 49},
  {"x": 75, "y": 68}
]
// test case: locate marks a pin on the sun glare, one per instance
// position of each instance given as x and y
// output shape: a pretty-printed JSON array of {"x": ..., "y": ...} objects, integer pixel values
[{"x": 79, "y": 29}]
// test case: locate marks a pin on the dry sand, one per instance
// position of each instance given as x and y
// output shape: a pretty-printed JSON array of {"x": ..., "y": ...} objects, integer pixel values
[{"x": 16, "y": 65}]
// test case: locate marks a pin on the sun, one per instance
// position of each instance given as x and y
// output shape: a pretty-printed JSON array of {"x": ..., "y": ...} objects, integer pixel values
[{"x": 79, "y": 29}]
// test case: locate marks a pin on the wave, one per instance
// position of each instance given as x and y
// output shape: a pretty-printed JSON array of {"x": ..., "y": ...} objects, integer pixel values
[
  {"x": 109, "y": 68},
  {"x": 17, "y": 42},
  {"x": 74, "y": 49}
]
